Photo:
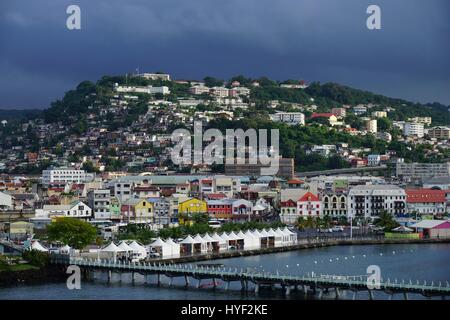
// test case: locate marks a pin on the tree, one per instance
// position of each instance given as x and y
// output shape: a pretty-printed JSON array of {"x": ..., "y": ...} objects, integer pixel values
[
  {"x": 213, "y": 82},
  {"x": 386, "y": 221},
  {"x": 73, "y": 232}
]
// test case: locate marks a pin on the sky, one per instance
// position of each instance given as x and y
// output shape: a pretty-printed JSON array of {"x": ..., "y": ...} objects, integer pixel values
[{"x": 313, "y": 40}]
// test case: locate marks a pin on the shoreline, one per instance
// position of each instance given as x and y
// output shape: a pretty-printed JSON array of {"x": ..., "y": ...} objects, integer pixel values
[
  {"x": 47, "y": 274},
  {"x": 55, "y": 274},
  {"x": 302, "y": 246}
]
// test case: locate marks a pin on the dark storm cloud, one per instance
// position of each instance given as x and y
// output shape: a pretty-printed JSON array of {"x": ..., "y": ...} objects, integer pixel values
[{"x": 325, "y": 40}]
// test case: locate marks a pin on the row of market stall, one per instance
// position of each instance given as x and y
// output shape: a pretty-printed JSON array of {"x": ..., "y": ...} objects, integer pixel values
[{"x": 248, "y": 240}]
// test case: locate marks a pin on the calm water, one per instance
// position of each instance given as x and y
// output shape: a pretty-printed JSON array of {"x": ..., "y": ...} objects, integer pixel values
[{"x": 424, "y": 262}]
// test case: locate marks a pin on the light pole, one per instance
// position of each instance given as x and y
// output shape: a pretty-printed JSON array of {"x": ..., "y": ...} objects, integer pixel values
[{"x": 351, "y": 226}]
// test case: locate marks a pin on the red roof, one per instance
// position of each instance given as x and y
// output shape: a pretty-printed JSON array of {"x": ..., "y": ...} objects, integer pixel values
[
  {"x": 215, "y": 196},
  {"x": 295, "y": 181},
  {"x": 289, "y": 203},
  {"x": 309, "y": 197},
  {"x": 321, "y": 115},
  {"x": 425, "y": 196}
]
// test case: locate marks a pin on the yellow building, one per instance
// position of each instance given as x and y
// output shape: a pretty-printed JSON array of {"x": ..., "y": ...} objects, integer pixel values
[
  {"x": 189, "y": 207},
  {"x": 139, "y": 210}
]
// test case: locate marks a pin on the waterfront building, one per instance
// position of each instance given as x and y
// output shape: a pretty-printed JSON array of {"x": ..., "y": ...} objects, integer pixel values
[
  {"x": 369, "y": 201},
  {"x": 309, "y": 205},
  {"x": 334, "y": 205},
  {"x": 426, "y": 201},
  {"x": 433, "y": 228},
  {"x": 288, "y": 212}
]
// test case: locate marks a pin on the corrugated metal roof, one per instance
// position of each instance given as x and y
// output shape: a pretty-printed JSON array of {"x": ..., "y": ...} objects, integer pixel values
[{"x": 428, "y": 224}]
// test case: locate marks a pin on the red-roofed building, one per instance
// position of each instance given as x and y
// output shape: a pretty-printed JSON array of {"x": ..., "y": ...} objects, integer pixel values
[
  {"x": 215, "y": 196},
  {"x": 288, "y": 212},
  {"x": 309, "y": 205},
  {"x": 426, "y": 201},
  {"x": 295, "y": 183},
  {"x": 322, "y": 115}
]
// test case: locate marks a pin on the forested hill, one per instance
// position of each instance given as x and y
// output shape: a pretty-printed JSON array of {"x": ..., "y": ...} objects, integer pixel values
[{"x": 88, "y": 95}]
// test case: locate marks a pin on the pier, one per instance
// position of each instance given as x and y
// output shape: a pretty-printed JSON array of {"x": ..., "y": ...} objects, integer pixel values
[{"x": 318, "y": 284}]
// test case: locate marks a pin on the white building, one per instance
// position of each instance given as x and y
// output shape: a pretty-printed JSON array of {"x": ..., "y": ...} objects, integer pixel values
[
  {"x": 369, "y": 201},
  {"x": 155, "y": 76},
  {"x": 417, "y": 170},
  {"x": 291, "y": 118},
  {"x": 413, "y": 129},
  {"x": 373, "y": 159},
  {"x": 334, "y": 205},
  {"x": 76, "y": 209},
  {"x": 100, "y": 201},
  {"x": 64, "y": 175},
  {"x": 6, "y": 201},
  {"x": 148, "y": 89},
  {"x": 371, "y": 126},
  {"x": 198, "y": 90},
  {"x": 424, "y": 120},
  {"x": 359, "y": 110}
]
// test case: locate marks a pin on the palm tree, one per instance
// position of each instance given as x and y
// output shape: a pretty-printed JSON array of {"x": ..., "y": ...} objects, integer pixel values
[{"x": 386, "y": 221}]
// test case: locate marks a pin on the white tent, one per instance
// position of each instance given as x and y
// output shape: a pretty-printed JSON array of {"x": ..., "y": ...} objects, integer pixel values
[
  {"x": 265, "y": 234},
  {"x": 293, "y": 237},
  {"x": 112, "y": 249},
  {"x": 138, "y": 249},
  {"x": 232, "y": 236},
  {"x": 286, "y": 235},
  {"x": 203, "y": 243},
  {"x": 175, "y": 247},
  {"x": 125, "y": 247},
  {"x": 161, "y": 247},
  {"x": 188, "y": 244},
  {"x": 402, "y": 229},
  {"x": 209, "y": 241},
  {"x": 252, "y": 240},
  {"x": 237, "y": 235},
  {"x": 223, "y": 244},
  {"x": 278, "y": 238},
  {"x": 39, "y": 247},
  {"x": 258, "y": 235}
]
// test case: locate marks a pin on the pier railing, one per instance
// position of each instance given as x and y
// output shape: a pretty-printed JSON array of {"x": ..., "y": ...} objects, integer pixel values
[{"x": 257, "y": 277}]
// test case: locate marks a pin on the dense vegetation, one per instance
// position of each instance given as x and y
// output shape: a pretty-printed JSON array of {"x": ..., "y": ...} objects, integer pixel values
[{"x": 90, "y": 98}]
